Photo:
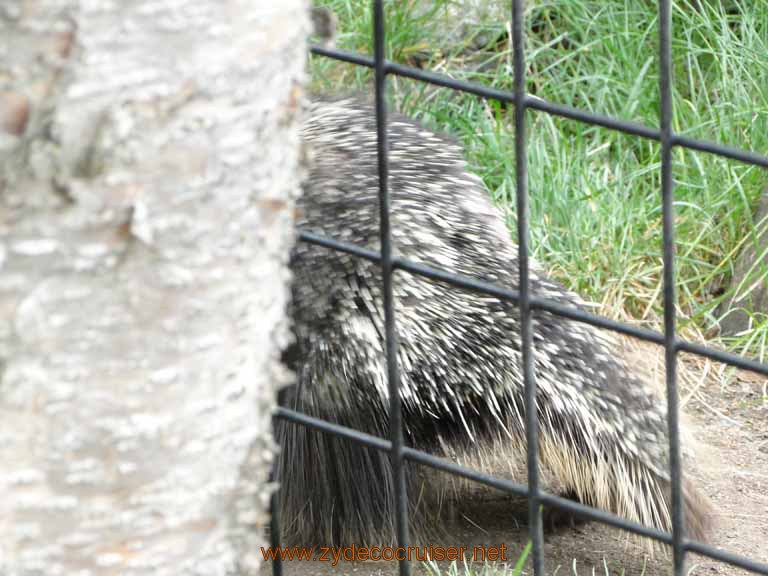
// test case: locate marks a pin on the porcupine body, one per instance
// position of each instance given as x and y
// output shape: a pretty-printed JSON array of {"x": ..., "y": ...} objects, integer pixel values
[{"x": 603, "y": 434}]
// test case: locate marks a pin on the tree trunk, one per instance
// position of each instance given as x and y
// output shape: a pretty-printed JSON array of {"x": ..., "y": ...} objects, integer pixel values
[
  {"x": 750, "y": 278},
  {"x": 148, "y": 165}
]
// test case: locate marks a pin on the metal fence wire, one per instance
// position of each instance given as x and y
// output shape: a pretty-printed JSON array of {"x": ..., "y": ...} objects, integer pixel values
[{"x": 528, "y": 302}]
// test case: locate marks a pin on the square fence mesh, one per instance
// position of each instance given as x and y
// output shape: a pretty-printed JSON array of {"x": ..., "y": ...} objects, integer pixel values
[{"x": 528, "y": 302}]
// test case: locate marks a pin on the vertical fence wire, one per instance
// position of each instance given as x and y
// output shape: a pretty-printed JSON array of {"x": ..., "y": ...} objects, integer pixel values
[
  {"x": 526, "y": 325},
  {"x": 668, "y": 229},
  {"x": 385, "y": 234}
]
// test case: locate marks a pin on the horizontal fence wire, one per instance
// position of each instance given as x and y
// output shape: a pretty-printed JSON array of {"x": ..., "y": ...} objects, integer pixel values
[
  {"x": 581, "y": 510},
  {"x": 530, "y": 302},
  {"x": 538, "y": 303},
  {"x": 536, "y": 103}
]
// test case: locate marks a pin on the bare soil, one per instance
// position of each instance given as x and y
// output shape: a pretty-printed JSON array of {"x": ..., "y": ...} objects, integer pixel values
[{"x": 726, "y": 417}]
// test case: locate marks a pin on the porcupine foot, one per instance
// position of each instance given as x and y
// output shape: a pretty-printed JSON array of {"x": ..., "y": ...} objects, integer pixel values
[{"x": 556, "y": 519}]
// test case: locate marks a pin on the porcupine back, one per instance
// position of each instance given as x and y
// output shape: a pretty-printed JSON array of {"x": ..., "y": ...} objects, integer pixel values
[{"x": 602, "y": 431}]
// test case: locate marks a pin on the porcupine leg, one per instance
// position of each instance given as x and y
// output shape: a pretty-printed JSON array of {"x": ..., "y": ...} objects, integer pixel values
[{"x": 557, "y": 519}]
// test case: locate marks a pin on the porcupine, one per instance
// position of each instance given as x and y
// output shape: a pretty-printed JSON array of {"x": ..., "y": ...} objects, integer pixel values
[{"x": 603, "y": 435}]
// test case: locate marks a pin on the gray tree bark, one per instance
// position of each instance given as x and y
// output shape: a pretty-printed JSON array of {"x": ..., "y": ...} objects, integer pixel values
[
  {"x": 148, "y": 157},
  {"x": 750, "y": 278}
]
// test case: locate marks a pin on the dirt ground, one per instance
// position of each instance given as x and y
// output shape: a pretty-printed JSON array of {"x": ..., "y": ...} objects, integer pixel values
[{"x": 726, "y": 415}]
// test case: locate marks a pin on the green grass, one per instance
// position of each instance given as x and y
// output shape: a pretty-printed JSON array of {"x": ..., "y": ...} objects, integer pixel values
[
  {"x": 594, "y": 193},
  {"x": 466, "y": 568}
]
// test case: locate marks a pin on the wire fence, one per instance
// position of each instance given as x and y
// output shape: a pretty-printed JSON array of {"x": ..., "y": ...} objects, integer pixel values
[{"x": 528, "y": 302}]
